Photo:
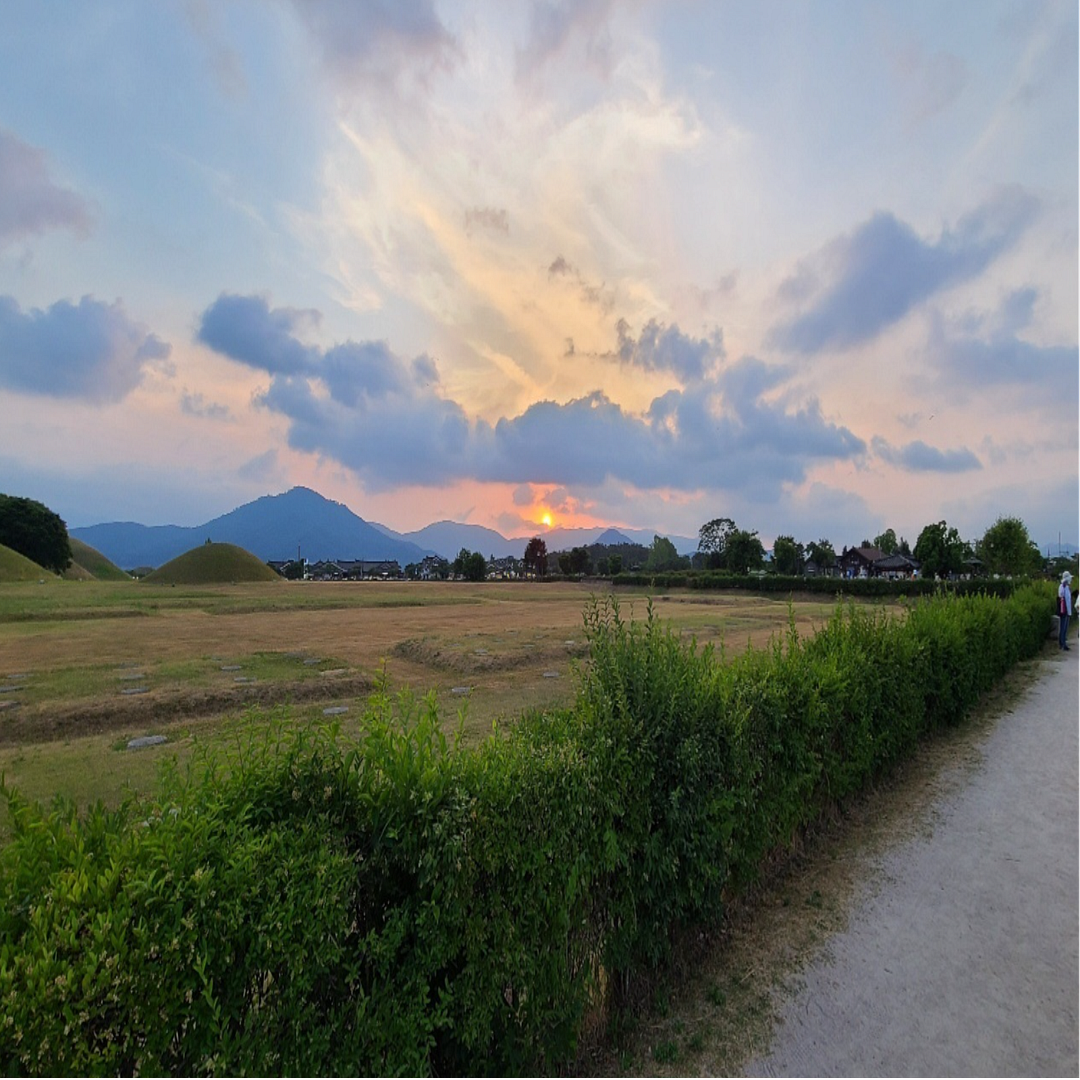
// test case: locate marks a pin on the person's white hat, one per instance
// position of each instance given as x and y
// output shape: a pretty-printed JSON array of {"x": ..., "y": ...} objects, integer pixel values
[{"x": 1066, "y": 576}]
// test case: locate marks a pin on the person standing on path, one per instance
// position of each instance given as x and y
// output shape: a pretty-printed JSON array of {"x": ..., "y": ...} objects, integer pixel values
[{"x": 1065, "y": 607}]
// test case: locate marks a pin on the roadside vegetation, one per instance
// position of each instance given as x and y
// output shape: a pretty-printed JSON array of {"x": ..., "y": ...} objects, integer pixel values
[{"x": 382, "y": 897}]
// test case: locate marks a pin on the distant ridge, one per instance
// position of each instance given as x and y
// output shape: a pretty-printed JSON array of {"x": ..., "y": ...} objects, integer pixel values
[
  {"x": 272, "y": 527},
  {"x": 301, "y": 520}
]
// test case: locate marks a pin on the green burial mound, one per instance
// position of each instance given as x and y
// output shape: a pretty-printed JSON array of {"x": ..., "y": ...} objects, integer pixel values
[
  {"x": 16, "y": 567},
  {"x": 93, "y": 563},
  {"x": 212, "y": 564}
]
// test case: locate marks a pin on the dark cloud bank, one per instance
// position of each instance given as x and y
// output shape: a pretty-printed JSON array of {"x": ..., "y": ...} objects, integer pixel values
[
  {"x": 384, "y": 417},
  {"x": 865, "y": 282},
  {"x": 88, "y": 350}
]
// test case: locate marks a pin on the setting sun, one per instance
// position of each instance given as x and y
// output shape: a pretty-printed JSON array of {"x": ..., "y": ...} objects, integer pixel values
[{"x": 546, "y": 520}]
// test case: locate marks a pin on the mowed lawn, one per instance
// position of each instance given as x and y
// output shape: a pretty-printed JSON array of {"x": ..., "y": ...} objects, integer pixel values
[{"x": 87, "y": 666}]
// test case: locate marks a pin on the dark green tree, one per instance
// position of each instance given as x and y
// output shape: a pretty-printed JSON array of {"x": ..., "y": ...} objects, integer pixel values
[
  {"x": 788, "y": 555},
  {"x": 940, "y": 551},
  {"x": 471, "y": 565},
  {"x": 821, "y": 552},
  {"x": 579, "y": 560},
  {"x": 712, "y": 541},
  {"x": 743, "y": 552},
  {"x": 535, "y": 558},
  {"x": 614, "y": 564},
  {"x": 662, "y": 555},
  {"x": 33, "y": 530},
  {"x": 1006, "y": 548},
  {"x": 887, "y": 542}
]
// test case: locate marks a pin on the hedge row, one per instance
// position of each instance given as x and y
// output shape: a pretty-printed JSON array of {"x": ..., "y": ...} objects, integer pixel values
[
  {"x": 828, "y": 586},
  {"x": 393, "y": 903}
]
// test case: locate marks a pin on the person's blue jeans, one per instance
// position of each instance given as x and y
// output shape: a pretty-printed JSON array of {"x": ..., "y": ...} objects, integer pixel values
[{"x": 1063, "y": 629}]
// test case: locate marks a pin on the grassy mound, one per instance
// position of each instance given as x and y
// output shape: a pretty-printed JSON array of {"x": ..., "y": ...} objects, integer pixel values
[
  {"x": 16, "y": 567},
  {"x": 93, "y": 563},
  {"x": 213, "y": 564}
]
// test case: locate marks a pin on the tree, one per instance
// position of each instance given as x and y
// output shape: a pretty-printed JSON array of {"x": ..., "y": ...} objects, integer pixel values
[
  {"x": 579, "y": 560},
  {"x": 614, "y": 564},
  {"x": 471, "y": 565},
  {"x": 535, "y": 558},
  {"x": 662, "y": 554},
  {"x": 822, "y": 553},
  {"x": 712, "y": 541},
  {"x": 788, "y": 555},
  {"x": 1006, "y": 548},
  {"x": 940, "y": 551},
  {"x": 887, "y": 543},
  {"x": 743, "y": 552},
  {"x": 33, "y": 530}
]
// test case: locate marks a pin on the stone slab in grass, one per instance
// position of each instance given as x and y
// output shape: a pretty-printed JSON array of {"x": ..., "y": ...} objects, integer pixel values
[
  {"x": 335, "y": 671},
  {"x": 8, "y": 705},
  {"x": 128, "y": 690},
  {"x": 551, "y": 675},
  {"x": 460, "y": 689},
  {"x": 132, "y": 676},
  {"x": 232, "y": 667},
  {"x": 243, "y": 679},
  {"x": 335, "y": 710},
  {"x": 310, "y": 661},
  {"x": 146, "y": 740},
  {"x": 10, "y": 689}
]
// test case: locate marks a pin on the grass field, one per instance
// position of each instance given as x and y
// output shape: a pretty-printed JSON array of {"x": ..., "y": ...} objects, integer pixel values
[{"x": 86, "y": 666}]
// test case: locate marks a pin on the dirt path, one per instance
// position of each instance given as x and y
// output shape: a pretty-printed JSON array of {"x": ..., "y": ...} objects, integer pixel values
[{"x": 959, "y": 956}]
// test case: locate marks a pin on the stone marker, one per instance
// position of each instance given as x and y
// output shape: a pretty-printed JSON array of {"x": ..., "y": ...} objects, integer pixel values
[
  {"x": 551, "y": 674},
  {"x": 146, "y": 740},
  {"x": 132, "y": 676},
  {"x": 243, "y": 679},
  {"x": 460, "y": 689},
  {"x": 9, "y": 689},
  {"x": 134, "y": 690},
  {"x": 335, "y": 671},
  {"x": 7, "y": 706},
  {"x": 231, "y": 667},
  {"x": 311, "y": 660},
  {"x": 335, "y": 710}
]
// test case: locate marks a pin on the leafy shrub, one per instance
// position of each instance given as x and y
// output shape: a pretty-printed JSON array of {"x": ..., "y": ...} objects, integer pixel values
[{"x": 387, "y": 902}]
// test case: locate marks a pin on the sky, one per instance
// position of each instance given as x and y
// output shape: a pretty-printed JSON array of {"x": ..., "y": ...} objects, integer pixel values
[{"x": 811, "y": 266}]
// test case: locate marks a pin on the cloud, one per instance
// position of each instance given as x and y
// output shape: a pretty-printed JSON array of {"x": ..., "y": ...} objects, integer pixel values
[
  {"x": 194, "y": 404},
  {"x": 379, "y": 42},
  {"x": 380, "y": 416},
  {"x": 553, "y": 27},
  {"x": 666, "y": 348},
  {"x": 865, "y": 282},
  {"x": 987, "y": 356},
  {"x": 589, "y": 293},
  {"x": 917, "y": 456},
  {"x": 88, "y": 350},
  {"x": 492, "y": 218},
  {"x": 245, "y": 329},
  {"x": 30, "y": 202}
]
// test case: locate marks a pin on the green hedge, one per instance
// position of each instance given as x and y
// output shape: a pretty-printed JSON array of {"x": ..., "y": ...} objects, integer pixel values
[
  {"x": 392, "y": 903},
  {"x": 827, "y": 586}
]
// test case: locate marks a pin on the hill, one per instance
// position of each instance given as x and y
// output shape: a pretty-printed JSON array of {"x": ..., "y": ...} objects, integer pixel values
[
  {"x": 273, "y": 527},
  {"x": 447, "y": 538},
  {"x": 213, "y": 564},
  {"x": 16, "y": 567},
  {"x": 93, "y": 562}
]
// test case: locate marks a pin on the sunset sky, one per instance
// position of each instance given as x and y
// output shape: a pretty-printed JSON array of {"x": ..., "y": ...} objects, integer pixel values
[{"x": 811, "y": 266}]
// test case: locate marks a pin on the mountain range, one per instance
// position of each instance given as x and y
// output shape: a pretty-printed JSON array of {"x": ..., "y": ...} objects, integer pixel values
[{"x": 303, "y": 522}]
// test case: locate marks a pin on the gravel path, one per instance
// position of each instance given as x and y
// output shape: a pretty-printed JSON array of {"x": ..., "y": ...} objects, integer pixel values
[{"x": 963, "y": 961}]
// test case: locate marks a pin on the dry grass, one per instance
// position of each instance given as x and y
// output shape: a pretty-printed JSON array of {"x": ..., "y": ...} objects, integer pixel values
[{"x": 487, "y": 651}]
